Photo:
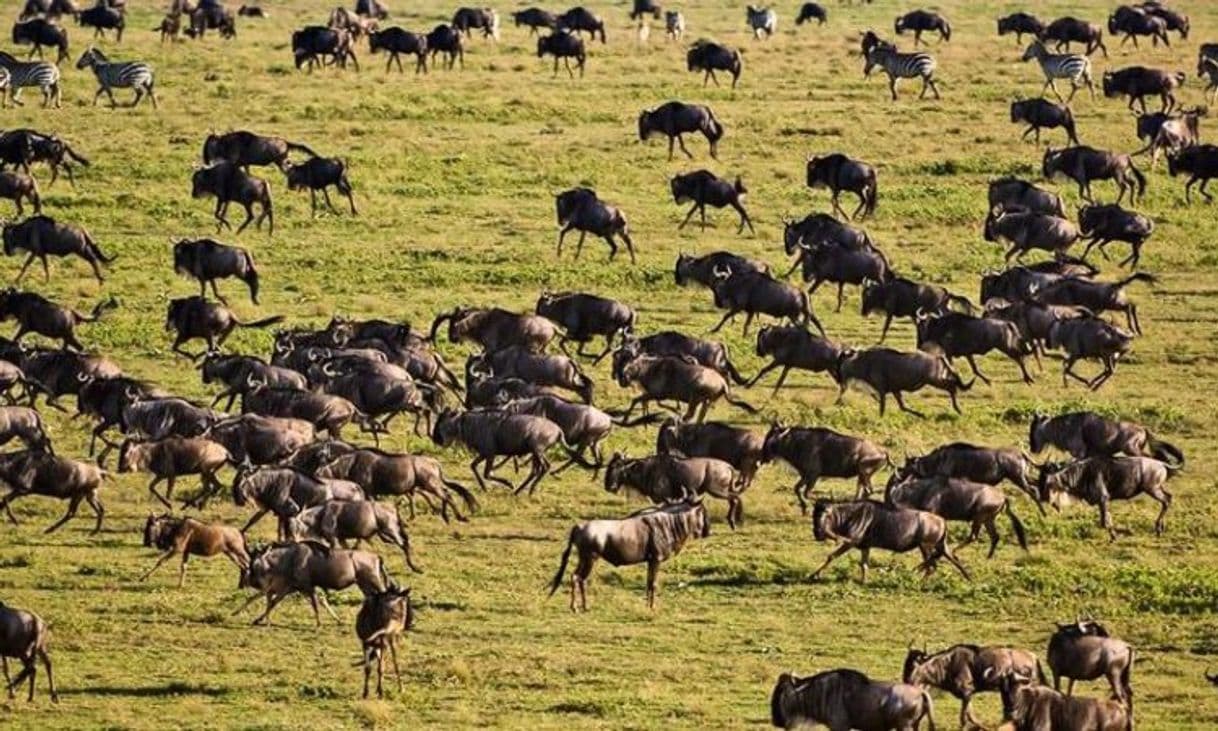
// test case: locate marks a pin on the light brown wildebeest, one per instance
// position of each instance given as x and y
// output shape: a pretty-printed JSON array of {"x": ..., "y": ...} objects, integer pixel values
[{"x": 189, "y": 537}]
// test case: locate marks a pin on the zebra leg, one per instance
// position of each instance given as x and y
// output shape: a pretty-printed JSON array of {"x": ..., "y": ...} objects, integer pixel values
[
  {"x": 892, "y": 87},
  {"x": 933, "y": 86},
  {"x": 97, "y": 96},
  {"x": 152, "y": 96},
  {"x": 113, "y": 101}
]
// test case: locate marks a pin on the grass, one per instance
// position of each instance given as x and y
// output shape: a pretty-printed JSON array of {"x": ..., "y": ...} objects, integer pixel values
[{"x": 455, "y": 173}]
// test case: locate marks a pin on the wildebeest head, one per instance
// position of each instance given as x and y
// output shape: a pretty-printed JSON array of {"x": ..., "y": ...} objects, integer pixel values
[
  {"x": 201, "y": 183},
  {"x": 125, "y": 461},
  {"x": 1035, "y": 439},
  {"x": 447, "y": 428},
  {"x": 212, "y": 149},
  {"x": 1110, "y": 89},
  {"x": 11, "y": 242},
  {"x": 773, "y": 438},
  {"x": 157, "y": 528},
  {"x": 873, "y": 297},
  {"x": 645, "y": 125},
  {"x": 614, "y": 471},
  {"x": 821, "y": 511},
  {"x": 1055, "y": 479},
  {"x": 913, "y": 660},
  {"x": 626, "y": 354},
  {"x": 1050, "y": 163}
]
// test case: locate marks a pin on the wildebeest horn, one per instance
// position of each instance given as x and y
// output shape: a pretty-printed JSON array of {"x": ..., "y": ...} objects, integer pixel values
[{"x": 327, "y": 369}]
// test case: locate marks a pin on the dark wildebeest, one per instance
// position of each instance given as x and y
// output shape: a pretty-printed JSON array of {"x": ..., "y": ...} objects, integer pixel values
[
  {"x": 102, "y": 17},
  {"x": 236, "y": 372},
  {"x": 958, "y": 500},
  {"x": 703, "y": 188},
  {"x": 1089, "y": 338},
  {"x": 669, "y": 343},
  {"x": 312, "y": 42},
  {"x": 285, "y": 492},
  {"x": 371, "y": 9},
  {"x": 741, "y": 448},
  {"x": 1099, "y": 480},
  {"x": 1084, "y": 164},
  {"x": 1175, "y": 20},
  {"x": 710, "y": 57},
  {"x": 1095, "y": 296},
  {"x": 537, "y": 368},
  {"x": 1015, "y": 193},
  {"x": 495, "y": 328},
  {"x": 208, "y": 260},
  {"x": 1103, "y": 224},
  {"x": 174, "y": 457},
  {"x": 37, "y": 314},
  {"x": 382, "y": 618},
  {"x": 24, "y": 636},
  {"x": 23, "y": 147},
  {"x": 679, "y": 379},
  {"x": 59, "y": 372},
  {"x": 244, "y": 148},
  {"x": 1020, "y": 23},
  {"x": 326, "y": 412},
  {"x": 583, "y": 426},
  {"x": 1130, "y": 22},
  {"x": 362, "y": 520},
  {"x": 1030, "y": 707},
  {"x": 815, "y": 453},
  {"x": 579, "y": 209},
  {"x": 840, "y": 173},
  {"x": 190, "y": 537},
  {"x": 885, "y": 371},
  {"x": 674, "y": 119},
  {"x": 901, "y": 297},
  {"x": 228, "y": 183},
  {"x": 954, "y": 335},
  {"x": 1086, "y": 434},
  {"x": 652, "y": 536},
  {"x": 1041, "y": 114},
  {"x": 1169, "y": 133},
  {"x": 923, "y": 21},
  {"x": 565, "y": 46},
  {"x": 447, "y": 40},
  {"x": 581, "y": 20},
  {"x": 1018, "y": 284},
  {"x": 585, "y": 316},
  {"x": 466, "y": 20},
  {"x": 262, "y": 439},
  {"x": 281, "y": 570},
  {"x": 1201, "y": 164},
  {"x": 39, "y": 32},
  {"x": 535, "y": 19},
  {"x": 52, "y": 9},
  {"x": 756, "y": 294},
  {"x": 26, "y": 424},
  {"x": 43, "y": 236},
  {"x": 794, "y": 347},
  {"x": 494, "y": 434},
  {"x": 966, "y": 670},
  {"x": 1067, "y": 30},
  {"x": 39, "y": 473},
  {"x": 829, "y": 262},
  {"x": 848, "y": 699},
  {"x": 867, "y": 524},
  {"x": 812, "y": 11},
  {"x": 1083, "y": 650},
  {"x": 821, "y": 228},
  {"x": 1139, "y": 82},
  {"x": 987, "y": 465},
  {"x": 398, "y": 41},
  {"x": 701, "y": 269},
  {"x": 639, "y": 8},
  {"x": 1034, "y": 319},
  {"x": 319, "y": 173},
  {"x": 665, "y": 479},
  {"x": 1027, "y": 231},
  {"x": 193, "y": 318}
]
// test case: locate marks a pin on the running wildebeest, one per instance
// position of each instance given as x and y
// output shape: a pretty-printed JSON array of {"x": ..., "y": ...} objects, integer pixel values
[
  {"x": 190, "y": 537},
  {"x": 245, "y": 148},
  {"x": 326, "y": 412},
  {"x": 901, "y": 297},
  {"x": 1201, "y": 164},
  {"x": 1103, "y": 224},
  {"x": 703, "y": 188},
  {"x": 565, "y": 46},
  {"x": 885, "y": 371},
  {"x": 1083, "y": 650},
  {"x": 1089, "y": 338},
  {"x": 495, "y": 328},
  {"x": 987, "y": 465},
  {"x": 228, "y": 183},
  {"x": 319, "y": 173},
  {"x": 236, "y": 372},
  {"x": 1067, "y": 30},
  {"x": 701, "y": 269},
  {"x": 16, "y": 187},
  {"x": 665, "y": 479},
  {"x": 311, "y": 43},
  {"x": 195, "y": 318},
  {"x": 812, "y": 11},
  {"x": 342, "y": 520},
  {"x": 208, "y": 260},
  {"x": 580, "y": 209},
  {"x": 815, "y": 453},
  {"x": 1169, "y": 133},
  {"x": 829, "y": 262},
  {"x": 1028, "y": 231},
  {"x": 1099, "y": 480},
  {"x": 39, "y": 473},
  {"x": 867, "y": 524},
  {"x": 37, "y": 314},
  {"x": 261, "y": 439},
  {"x": 1175, "y": 20},
  {"x": 678, "y": 379},
  {"x": 285, "y": 492},
  {"x": 539, "y": 368},
  {"x": 840, "y": 173},
  {"x": 1040, "y": 113},
  {"x": 1139, "y": 82},
  {"x": 1019, "y": 24},
  {"x": 847, "y": 699},
  {"x": 43, "y": 236},
  {"x": 381, "y": 619},
  {"x": 398, "y": 41},
  {"x": 23, "y": 147},
  {"x": 710, "y": 57},
  {"x": 281, "y": 570},
  {"x": 652, "y": 536},
  {"x": 674, "y": 119},
  {"x": 669, "y": 343},
  {"x": 958, "y": 500},
  {"x": 966, "y": 670},
  {"x": 1086, "y": 434},
  {"x": 1095, "y": 296},
  {"x": 535, "y": 19},
  {"x": 581, "y": 20},
  {"x": 794, "y": 347},
  {"x": 741, "y": 448},
  {"x": 583, "y": 426},
  {"x": 756, "y": 294},
  {"x": 585, "y": 316},
  {"x": 955, "y": 334},
  {"x": 1084, "y": 164},
  {"x": 174, "y": 457},
  {"x": 491, "y": 435},
  {"x": 821, "y": 228},
  {"x": 1015, "y": 193},
  {"x": 24, "y": 636},
  {"x": 923, "y": 21},
  {"x": 1131, "y": 22},
  {"x": 26, "y": 424}
]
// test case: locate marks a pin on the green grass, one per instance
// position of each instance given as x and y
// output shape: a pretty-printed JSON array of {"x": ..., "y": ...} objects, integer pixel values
[{"x": 455, "y": 173}]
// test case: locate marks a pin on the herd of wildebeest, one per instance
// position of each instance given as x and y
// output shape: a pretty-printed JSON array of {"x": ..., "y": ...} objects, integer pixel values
[{"x": 522, "y": 403}]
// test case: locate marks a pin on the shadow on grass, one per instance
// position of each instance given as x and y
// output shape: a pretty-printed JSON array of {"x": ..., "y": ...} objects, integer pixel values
[{"x": 151, "y": 691}]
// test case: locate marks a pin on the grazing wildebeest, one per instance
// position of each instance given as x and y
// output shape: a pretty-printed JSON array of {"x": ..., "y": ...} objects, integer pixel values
[
  {"x": 493, "y": 434},
  {"x": 987, "y": 465},
  {"x": 398, "y": 41},
  {"x": 1015, "y": 193},
  {"x": 245, "y": 148},
  {"x": 24, "y": 636},
  {"x": 342, "y": 520},
  {"x": 923, "y": 21},
  {"x": 678, "y": 379},
  {"x": 173, "y": 457},
  {"x": 1020, "y": 23},
  {"x": 1029, "y": 707},
  {"x": 958, "y": 500},
  {"x": 585, "y": 316},
  {"x": 281, "y": 570},
  {"x": 901, "y": 297},
  {"x": 741, "y": 448},
  {"x": 756, "y": 294},
  {"x": 1099, "y": 480},
  {"x": 581, "y": 20},
  {"x": 319, "y": 173},
  {"x": 1086, "y": 434},
  {"x": 840, "y": 173},
  {"x": 1095, "y": 296},
  {"x": 1175, "y": 20},
  {"x": 1041, "y": 114},
  {"x": 381, "y": 619},
  {"x": 535, "y": 19},
  {"x": 466, "y": 20},
  {"x": 1131, "y": 22},
  {"x": 816, "y": 452},
  {"x": 102, "y": 17},
  {"x": 1103, "y": 224},
  {"x": 1201, "y": 164},
  {"x": 37, "y": 314},
  {"x": 847, "y": 699},
  {"x": 565, "y": 46},
  {"x": 208, "y": 260},
  {"x": 1054, "y": 66},
  {"x": 190, "y": 537},
  {"x": 761, "y": 20},
  {"x": 228, "y": 183},
  {"x": 195, "y": 318},
  {"x": 867, "y": 524},
  {"x": 1089, "y": 338},
  {"x": 966, "y": 670},
  {"x": 38, "y": 473},
  {"x": 39, "y": 32},
  {"x": 710, "y": 57},
  {"x": 495, "y": 328},
  {"x": 885, "y": 371},
  {"x": 812, "y": 11},
  {"x": 43, "y": 236},
  {"x": 1067, "y": 30},
  {"x": 674, "y": 119},
  {"x": 703, "y": 188},
  {"x": 1028, "y": 231},
  {"x": 652, "y": 536},
  {"x": 955, "y": 334},
  {"x": 580, "y": 209},
  {"x": 665, "y": 479},
  {"x": 1139, "y": 82},
  {"x": 829, "y": 262},
  {"x": 794, "y": 347},
  {"x": 1084, "y": 164},
  {"x": 669, "y": 343},
  {"x": 701, "y": 269},
  {"x": 1084, "y": 650}
]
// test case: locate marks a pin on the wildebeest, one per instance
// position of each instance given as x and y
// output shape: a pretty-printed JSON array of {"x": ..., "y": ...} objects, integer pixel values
[
  {"x": 1089, "y": 338},
  {"x": 26, "y": 424},
  {"x": 958, "y": 500},
  {"x": 311, "y": 43},
  {"x": 794, "y": 347},
  {"x": 838, "y": 173},
  {"x": 174, "y": 457},
  {"x": 398, "y": 41},
  {"x": 817, "y": 452},
  {"x": 1139, "y": 82},
  {"x": 326, "y": 412},
  {"x": 491, "y": 435},
  {"x": 381, "y": 619},
  {"x": 585, "y": 316},
  {"x": 1041, "y": 114},
  {"x": 24, "y": 636},
  {"x": 1086, "y": 434},
  {"x": 342, "y": 520},
  {"x": 1174, "y": 20},
  {"x": 1083, "y": 650},
  {"x": 466, "y": 20},
  {"x": 1020, "y": 23},
  {"x": 581, "y": 20},
  {"x": 1015, "y": 193},
  {"x": 1201, "y": 164},
  {"x": 285, "y": 491},
  {"x": 102, "y": 17},
  {"x": 1033, "y": 319},
  {"x": 208, "y": 260},
  {"x": 665, "y": 479},
  {"x": 190, "y": 537},
  {"x": 867, "y": 524},
  {"x": 1027, "y": 231},
  {"x": 319, "y": 173},
  {"x": 829, "y": 262},
  {"x": 566, "y": 46},
  {"x": 1030, "y": 707},
  {"x": 761, "y": 20},
  {"x": 702, "y": 269},
  {"x": 639, "y": 8},
  {"x": 741, "y": 448},
  {"x": 652, "y": 536},
  {"x": 923, "y": 21},
  {"x": 583, "y": 426},
  {"x": 538, "y": 368},
  {"x": 679, "y": 379},
  {"x": 43, "y": 236},
  {"x": 710, "y": 57},
  {"x": 674, "y": 119},
  {"x": 281, "y": 570},
  {"x": 535, "y": 19},
  {"x": 1099, "y": 480},
  {"x": 955, "y": 334},
  {"x": 987, "y": 465},
  {"x": 236, "y": 372},
  {"x": 17, "y": 186},
  {"x": 37, "y": 314},
  {"x": 261, "y": 439},
  {"x": 670, "y": 343},
  {"x": 39, "y": 473},
  {"x": 1131, "y": 22},
  {"x": 53, "y": 9},
  {"x": 495, "y": 328},
  {"x": 1067, "y": 30},
  {"x": 23, "y": 147},
  {"x": 965, "y": 670},
  {"x": 703, "y": 188},
  {"x": 901, "y": 297},
  {"x": 158, "y": 417},
  {"x": 245, "y": 148},
  {"x": 812, "y": 11},
  {"x": 1169, "y": 132},
  {"x": 1084, "y": 164},
  {"x": 1095, "y": 296},
  {"x": 580, "y": 209},
  {"x": 754, "y": 294},
  {"x": 371, "y": 9},
  {"x": 1103, "y": 224},
  {"x": 193, "y": 318},
  {"x": 821, "y": 228},
  {"x": 847, "y": 699},
  {"x": 228, "y": 183},
  {"x": 885, "y": 371},
  {"x": 39, "y": 32}
]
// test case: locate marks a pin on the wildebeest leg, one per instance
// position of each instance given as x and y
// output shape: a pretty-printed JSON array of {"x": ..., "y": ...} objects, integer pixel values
[
  {"x": 748, "y": 319},
  {"x": 887, "y": 324},
  {"x": 612, "y": 246},
  {"x": 837, "y": 208},
  {"x": 781, "y": 378},
  {"x": 1069, "y": 686},
  {"x": 72, "y": 506},
  {"x": 152, "y": 489},
  {"x": 1068, "y": 372},
  {"x": 249, "y": 216},
  {"x": 580, "y": 578},
  {"x": 681, "y": 144},
  {"x": 579, "y": 245},
  {"x": 1164, "y": 498},
  {"x": 8, "y": 681},
  {"x": 764, "y": 370},
  {"x": 653, "y": 570},
  {"x": 1102, "y": 378},
  {"x": 493, "y": 478},
  {"x": 325, "y": 193},
  {"x": 992, "y": 532},
  {"x": 837, "y": 552},
  {"x": 4, "y": 502},
  {"x": 1131, "y": 317},
  {"x": 1106, "y": 514},
  {"x": 727, "y": 316},
  {"x": 710, "y": 74},
  {"x": 692, "y": 210},
  {"x": 972, "y": 363},
  {"x": 393, "y": 653},
  {"x": 864, "y": 555},
  {"x": 841, "y": 292},
  {"x": 671, "y": 141},
  {"x": 901, "y": 403}
]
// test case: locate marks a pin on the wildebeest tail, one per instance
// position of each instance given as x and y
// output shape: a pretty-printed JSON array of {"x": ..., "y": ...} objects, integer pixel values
[
  {"x": 470, "y": 501},
  {"x": 251, "y": 276},
  {"x": 300, "y": 148},
  {"x": 562, "y": 564},
  {"x": 711, "y": 127},
  {"x": 264, "y": 322},
  {"x": 1166, "y": 452},
  {"x": 1136, "y": 277},
  {"x": 1068, "y": 123},
  {"x": 1016, "y": 525},
  {"x": 95, "y": 250},
  {"x": 67, "y": 149},
  {"x": 732, "y": 372},
  {"x": 871, "y": 194},
  {"x": 574, "y": 454},
  {"x": 1139, "y": 178}
]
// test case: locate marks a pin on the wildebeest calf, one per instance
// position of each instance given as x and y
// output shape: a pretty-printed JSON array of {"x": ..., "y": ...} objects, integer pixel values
[
  {"x": 190, "y": 537},
  {"x": 703, "y": 188},
  {"x": 319, "y": 173},
  {"x": 867, "y": 524}
]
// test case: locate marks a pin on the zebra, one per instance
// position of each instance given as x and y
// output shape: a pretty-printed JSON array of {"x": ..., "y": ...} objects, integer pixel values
[
  {"x": 902, "y": 66},
  {"x": 118, "y": 74},
  {"x": 674, "y": 25},
  {"x": 762, "y": 20},
  {"x": 1072, "y": 66},
  {"x": 6, "y": 80},
  {"x": 22, "y": 74}
]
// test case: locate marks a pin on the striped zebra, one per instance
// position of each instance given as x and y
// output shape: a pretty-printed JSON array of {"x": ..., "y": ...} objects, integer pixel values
[
  {"x": 1072, "y": 66},
  {"x": 22, "y": 74},
  {"x": 761, "y": 20},
  {"x": 902, "y": 66},
  {"x": 118, "y": 75}
]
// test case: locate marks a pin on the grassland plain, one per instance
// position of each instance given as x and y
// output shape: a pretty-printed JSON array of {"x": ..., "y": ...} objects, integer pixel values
[{"x": 455, "y": 173}]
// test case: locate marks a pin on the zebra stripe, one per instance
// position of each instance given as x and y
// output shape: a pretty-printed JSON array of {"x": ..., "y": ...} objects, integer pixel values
[
  {"x": 1072, "y": 66},
  {"x": 42, "y": 75},
  {"x": 902, "y": 65},
  {"x": 123, "y": 74}
]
